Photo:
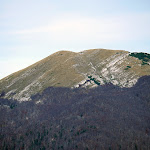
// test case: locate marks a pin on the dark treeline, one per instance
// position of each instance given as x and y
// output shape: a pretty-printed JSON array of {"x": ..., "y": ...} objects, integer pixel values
[{"x": 106, "y": 117}]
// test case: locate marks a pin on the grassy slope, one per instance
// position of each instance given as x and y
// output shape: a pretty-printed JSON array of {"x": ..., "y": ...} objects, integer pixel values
[
  {"x": 66, "y": 69},
  {"x": 51, "y": 71}
]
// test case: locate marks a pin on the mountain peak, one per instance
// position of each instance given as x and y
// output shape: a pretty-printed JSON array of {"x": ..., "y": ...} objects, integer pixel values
[{"x": 88, "y": 69}]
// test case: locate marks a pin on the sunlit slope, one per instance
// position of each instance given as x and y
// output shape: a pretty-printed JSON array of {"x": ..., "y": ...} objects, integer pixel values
[
  {"x": 117, "y": 67},
  {"x": 68, "y": 69},
  {"x": 52, "y": 71}
]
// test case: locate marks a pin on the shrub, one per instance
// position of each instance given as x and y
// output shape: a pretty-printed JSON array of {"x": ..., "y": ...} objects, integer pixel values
[{"x": 141, "y": 56}]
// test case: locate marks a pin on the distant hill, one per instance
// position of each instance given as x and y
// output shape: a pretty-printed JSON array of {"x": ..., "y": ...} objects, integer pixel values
[{"x": 88, "y": 69}]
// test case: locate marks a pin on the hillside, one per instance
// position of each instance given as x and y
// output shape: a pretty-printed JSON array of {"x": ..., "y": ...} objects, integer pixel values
[
  {"x": 96, "y": 99},
  {"x": 104, "y": 118},
  {"x": 88, "y": 69}
]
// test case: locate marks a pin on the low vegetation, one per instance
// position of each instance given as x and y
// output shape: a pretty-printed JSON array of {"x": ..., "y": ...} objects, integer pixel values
[
  {"x": 127, "y": 67},
  {"x": 93, "y": 79},
  {"x": 145, "y": 57}
]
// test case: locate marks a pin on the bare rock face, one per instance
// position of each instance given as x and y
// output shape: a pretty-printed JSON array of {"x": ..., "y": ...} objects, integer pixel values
[{"x": 87, "y": 69}]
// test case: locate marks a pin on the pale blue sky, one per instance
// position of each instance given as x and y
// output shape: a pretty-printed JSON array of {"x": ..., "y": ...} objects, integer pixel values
[{"x": 33, "y": 29}]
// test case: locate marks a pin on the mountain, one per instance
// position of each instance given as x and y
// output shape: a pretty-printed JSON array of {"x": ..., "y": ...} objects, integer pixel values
[
  {"x": 87, "y": 69},
  {"x": 92, "y": 100}
]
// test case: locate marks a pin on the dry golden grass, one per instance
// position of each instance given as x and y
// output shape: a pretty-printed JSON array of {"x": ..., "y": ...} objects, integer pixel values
[{"x": 58, "y": 70}]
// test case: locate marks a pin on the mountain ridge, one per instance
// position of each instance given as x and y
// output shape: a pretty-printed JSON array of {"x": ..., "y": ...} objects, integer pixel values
[{"x": 88, "y": 69}]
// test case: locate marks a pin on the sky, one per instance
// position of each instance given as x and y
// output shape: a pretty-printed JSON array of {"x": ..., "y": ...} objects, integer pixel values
[{"x": 31, "y": 30}]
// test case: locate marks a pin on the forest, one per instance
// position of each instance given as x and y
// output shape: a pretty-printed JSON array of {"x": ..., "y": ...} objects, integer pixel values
[{"x": 103, "y": 118}]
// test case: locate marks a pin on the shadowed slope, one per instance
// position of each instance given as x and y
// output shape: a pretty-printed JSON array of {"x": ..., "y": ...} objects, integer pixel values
[{"x": 106, "y": 117}]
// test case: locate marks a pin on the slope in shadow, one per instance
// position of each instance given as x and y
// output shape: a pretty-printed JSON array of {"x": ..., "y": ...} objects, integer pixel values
[{"x": 106, "y": 117}]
